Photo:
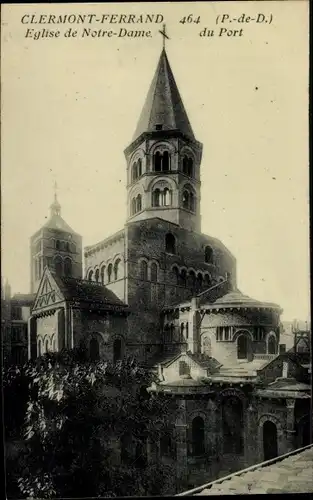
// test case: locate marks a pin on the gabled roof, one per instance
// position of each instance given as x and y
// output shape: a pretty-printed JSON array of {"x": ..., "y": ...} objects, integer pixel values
[
  {"x": 163, "y": 105},
  {"x": 54, "y": 290},
  {"x": 79, "y": 290}
]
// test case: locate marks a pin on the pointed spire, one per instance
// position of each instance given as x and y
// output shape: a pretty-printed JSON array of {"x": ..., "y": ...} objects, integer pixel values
[
  {"x": 163, "y": 108},
  {"x": 55, "y": 208}
]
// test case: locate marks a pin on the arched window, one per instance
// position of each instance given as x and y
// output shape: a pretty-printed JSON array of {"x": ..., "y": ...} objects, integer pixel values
[
  {"x": 90, "y": 275},
  {"x": 157, "y": 162},
  {"x": 139, "y": 167},
  {"x": 182, "y": 329},
  {"x": 207, "y": 280},
  {"x": 67, "y": 246},
  {"x": 117, "y": 350},
  {"x": 156, "y": 198},
  {"x": 170, "y": 243},
  {"x": 110, "y": 268},
  {"x": 167, "y": 197},
  {"x": 172, "y": 332},
  {"x": 58, "y": 265},
  {"x": 183, "y": 277},
  {"x": 176, "y": 274},
  {"x": 39, "y": 348},
  {"x": 134, "y": 171},
  {"x": 186, "y": 200},
  {"x": 191, "y": 202},
  {"x": 208, "y": 254},
  {"x": 97, "y": 274},
  {"x": 102, "y": 274},
  {"x": 187, "y": 329},
  {"x": 154, "y": 272},
  {"x": 143, "y": 270},
  {"x": 183, "y": 368},
  {"x": 199, "y": 281},
  {"x": 185, "y": 165},
  {"x": 116, "y": 266},
  {"x": 190, "y": 167},
  {"x": 138, "y": 203},
  {"x": 133, "y": 206},
  {"x": 67, "y": 267},
  {"x": 94, "y": 350},
  {"x": 271, "y": 345},
  {"x": 58, "y": 244},
  {"x": 198, "y": 436},
  {"x": 165, "y": 161},
  {"x": 192, "y": 279},
  {"x": 47, "y": 346},
  {"x": 53, "y": 345},
  {"x": 207, "y": 347}
]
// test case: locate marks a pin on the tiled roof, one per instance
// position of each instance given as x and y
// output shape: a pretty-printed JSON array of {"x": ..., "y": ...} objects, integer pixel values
[
  {"x": 290, "y": 473},
  {"x": 79, "y": 290},
  {"x": 205, "y": 362},
  {"x": 236, "y": 298},
  {"x": 163, "y": 105}
]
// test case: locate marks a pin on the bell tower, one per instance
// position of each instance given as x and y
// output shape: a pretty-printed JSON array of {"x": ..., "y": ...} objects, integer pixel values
[
  {"x": 163, "y": 159},
  {"x": 57, "y": 246}
]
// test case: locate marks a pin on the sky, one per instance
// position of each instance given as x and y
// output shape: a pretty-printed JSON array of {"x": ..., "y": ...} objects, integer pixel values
[{"x": 70, "y": 107}]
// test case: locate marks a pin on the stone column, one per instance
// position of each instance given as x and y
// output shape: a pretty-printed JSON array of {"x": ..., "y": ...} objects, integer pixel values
[
  {"x": 212, "y": 439},
  {"x": 194, "y": 333},
  {"x": 290, "y": 425},
  {"x": 251, "y": 435},
  {"x": 181, "y": 445}
]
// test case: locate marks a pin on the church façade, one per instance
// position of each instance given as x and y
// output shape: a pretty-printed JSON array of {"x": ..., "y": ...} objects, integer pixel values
[{"x": 162, "y": 291}]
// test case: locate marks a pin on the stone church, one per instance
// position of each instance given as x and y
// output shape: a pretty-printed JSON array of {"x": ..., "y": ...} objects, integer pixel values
[{"x": 162, "y": 291}]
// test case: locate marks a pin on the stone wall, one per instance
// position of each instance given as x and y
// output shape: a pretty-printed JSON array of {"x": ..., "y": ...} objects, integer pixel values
[{"x": 146, "y": 241}]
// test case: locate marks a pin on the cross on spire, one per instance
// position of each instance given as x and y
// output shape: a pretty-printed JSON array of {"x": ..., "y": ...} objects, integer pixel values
[
  {"x": 55, "y": 207},
  {"x": 55, "y": 190},
  {"x": 164, "y": 35}
]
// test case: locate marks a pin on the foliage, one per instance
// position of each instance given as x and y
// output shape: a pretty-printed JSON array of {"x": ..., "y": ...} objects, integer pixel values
[{"x": 77, "y": 413}]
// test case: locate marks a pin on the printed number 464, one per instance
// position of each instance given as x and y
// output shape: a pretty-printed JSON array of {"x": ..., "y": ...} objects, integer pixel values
[{"x": 190, "y": 19}]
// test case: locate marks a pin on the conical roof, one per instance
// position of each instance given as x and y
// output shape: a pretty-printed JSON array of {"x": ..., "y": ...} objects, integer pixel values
[
  {"x": 56, "y": 222},
  {"x": 237, "y": 299},
  {"x": 163, "y": 106}
]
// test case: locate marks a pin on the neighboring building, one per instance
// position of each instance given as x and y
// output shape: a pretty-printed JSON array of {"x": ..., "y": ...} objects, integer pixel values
[
  {"x": 5, "y": 322},
  {"x": 21, "y": 305},
  {"x": 162, "y": 291},
  {"x": 15, "y": 312}
]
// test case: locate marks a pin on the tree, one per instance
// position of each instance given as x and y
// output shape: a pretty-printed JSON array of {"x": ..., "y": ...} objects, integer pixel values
[{"x": 78, "y": 415}]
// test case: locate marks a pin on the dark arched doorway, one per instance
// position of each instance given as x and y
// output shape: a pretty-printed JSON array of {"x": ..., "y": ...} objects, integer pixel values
[
  {"x": 304, "y": 432},
  {"x": 269, "y": 440},
  {"x": 232, "y": 425},
  {"x": 198, "y": 436},
  {"x": 242, "y": 346},
  {"x": 94, "y": 350},
  {"x": 271, "y": 346},
  {"x": 117, "y": 350}
]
